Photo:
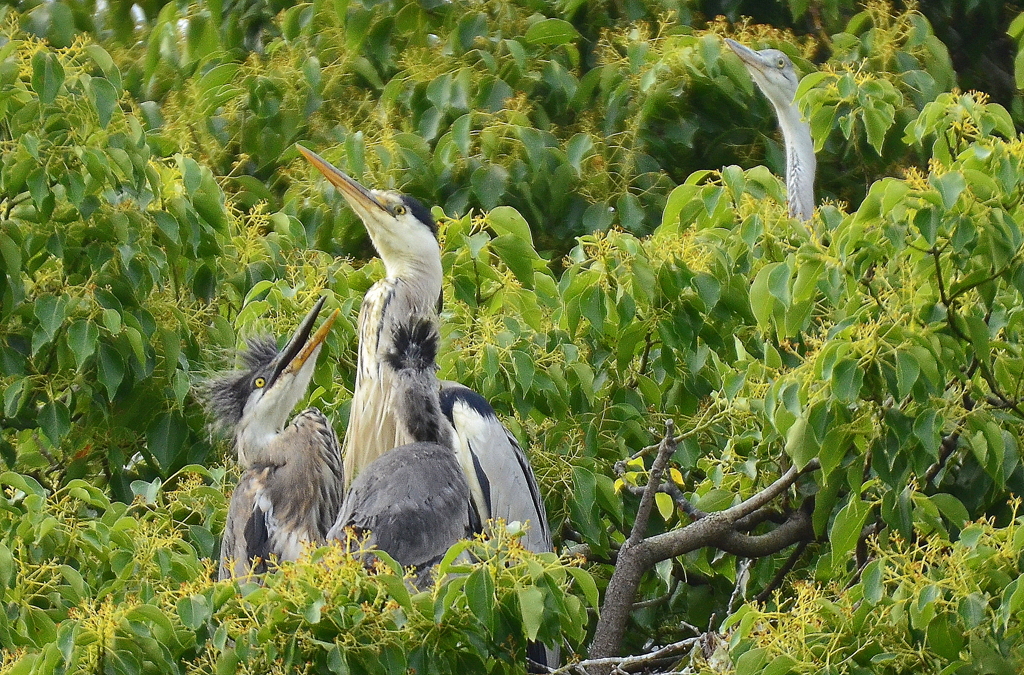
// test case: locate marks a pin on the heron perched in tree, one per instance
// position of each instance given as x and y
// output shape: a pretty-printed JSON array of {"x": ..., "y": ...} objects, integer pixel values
[
  {"x": 776, "y": 77},
  {"x": 501, "y": 482},
  {"x": 414, "y": 499},
  {"x": 292, "y": 485}
]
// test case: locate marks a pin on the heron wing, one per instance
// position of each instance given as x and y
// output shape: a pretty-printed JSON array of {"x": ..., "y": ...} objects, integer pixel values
[
  {"x": 499, "y": 475},
  {"x": 246, "y": 535},
  {"x": 414, "y": 502}
]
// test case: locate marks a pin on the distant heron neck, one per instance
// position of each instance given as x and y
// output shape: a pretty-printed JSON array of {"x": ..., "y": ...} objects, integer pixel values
[{"x": 800, "y": 162}]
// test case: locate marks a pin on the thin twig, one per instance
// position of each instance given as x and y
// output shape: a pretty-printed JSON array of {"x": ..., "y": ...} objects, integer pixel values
[
  {"x": 780, "y": 576},
  {"x": 660, "y": 599},
  {"x": 619, "y": 663},
  {"x": 742, "y": 576}
]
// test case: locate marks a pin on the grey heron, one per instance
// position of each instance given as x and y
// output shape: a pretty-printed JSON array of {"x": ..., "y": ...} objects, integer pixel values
[
  {"x": 291, "y": 488},
  {"x": 776, "y": 77},
  {"x": 501, "y": 482},
  {"x": 413, "y": 500}
]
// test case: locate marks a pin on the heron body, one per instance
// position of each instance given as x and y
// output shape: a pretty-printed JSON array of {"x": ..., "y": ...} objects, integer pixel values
[
  {"x": 292, "y": 482},
  {"x": 373, "y": 427},
  {"x": 775, "y": 75},
  {"x": 500, "y": 480},
  {"x": 413, "y": 500}
]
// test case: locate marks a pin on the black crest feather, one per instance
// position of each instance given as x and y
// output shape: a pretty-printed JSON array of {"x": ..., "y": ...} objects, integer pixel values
[
  {"x": 413, "y": 344},
  {"x": 421, "y": 212}
]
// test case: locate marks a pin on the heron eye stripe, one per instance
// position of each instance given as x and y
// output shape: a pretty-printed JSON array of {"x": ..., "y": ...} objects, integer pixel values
[{"x": 260, "y": 382}]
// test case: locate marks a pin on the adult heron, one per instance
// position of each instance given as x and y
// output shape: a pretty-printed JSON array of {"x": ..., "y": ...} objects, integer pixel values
[
  {"x": 413, "y": 500},
  {"x": 292, "y": 485},
  {"x": 501, "y": 482},
  {"x": 776, "y": 77}
]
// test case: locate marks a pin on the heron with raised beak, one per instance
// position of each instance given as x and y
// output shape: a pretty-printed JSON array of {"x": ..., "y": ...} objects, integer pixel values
[
  {"x": 776, "y": 77},
  {"x": 500, "y": 479},
  {"x": 291, "y": 488}
]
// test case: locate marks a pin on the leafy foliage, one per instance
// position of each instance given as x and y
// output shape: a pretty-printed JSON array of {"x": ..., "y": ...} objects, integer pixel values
[{"x": 608, "y": 265}]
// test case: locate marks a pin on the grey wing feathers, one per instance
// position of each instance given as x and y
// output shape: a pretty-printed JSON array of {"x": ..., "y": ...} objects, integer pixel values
[
  {"x": 413, "y": 500},
  {"x": 504, "y": 483},
  {"x": 245, "y": 533}
]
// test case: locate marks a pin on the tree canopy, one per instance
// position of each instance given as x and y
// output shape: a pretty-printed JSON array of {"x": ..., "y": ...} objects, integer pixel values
[{"x": 838, "y": 489}]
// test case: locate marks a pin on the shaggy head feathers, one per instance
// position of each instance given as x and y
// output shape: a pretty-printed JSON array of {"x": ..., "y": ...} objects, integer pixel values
[{"x": 225, "y": 394}]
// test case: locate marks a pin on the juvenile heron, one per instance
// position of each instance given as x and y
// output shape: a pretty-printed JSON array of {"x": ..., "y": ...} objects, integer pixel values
[
  {"x": 413, "y": 500},
  {"x": 291, "y": 488},
  {"x": 776, "y": 77},
  {"x": 501, "y": 482}
]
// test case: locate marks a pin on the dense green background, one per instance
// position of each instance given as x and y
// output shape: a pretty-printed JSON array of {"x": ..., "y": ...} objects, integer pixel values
[{"x": 615, "y": 255}]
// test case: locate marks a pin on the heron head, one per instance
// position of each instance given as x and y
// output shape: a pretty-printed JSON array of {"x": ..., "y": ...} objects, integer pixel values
[
  {"x": 255, "y": 401},
  {"x": 772, "y": 70},
  {"x": 402, "y": 229}
]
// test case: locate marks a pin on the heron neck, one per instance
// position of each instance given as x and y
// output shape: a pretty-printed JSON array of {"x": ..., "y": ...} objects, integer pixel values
[
  {"x": 423, "y": 274},
  {"x": 800, "y": 161}
]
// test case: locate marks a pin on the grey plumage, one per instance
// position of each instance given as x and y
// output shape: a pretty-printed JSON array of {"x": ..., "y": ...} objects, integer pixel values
[
  {"x": 776, "y": 77},
  {"x": 291, "y": 487},
  {"x": 412, "y": 501},
  {"x": 500, "y": 480}
]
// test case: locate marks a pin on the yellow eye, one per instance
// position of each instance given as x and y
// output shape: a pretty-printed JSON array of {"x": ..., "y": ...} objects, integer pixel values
[
  {"x": 782, "y": 63},
  {"x": 260, "y": 383},
  {"x": 399, "y": 210}
]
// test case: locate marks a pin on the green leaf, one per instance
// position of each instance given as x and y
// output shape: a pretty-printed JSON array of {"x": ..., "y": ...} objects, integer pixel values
[
  {"x": 480, "y": 594},
  {"x": 531, "y": 608},
  {"x": 518, "y": 255},
  {"x": 950, "y": 186},
  {"x": 165, "y": 438},
  {"x": 847, "y": 379},
  {"x": 761, "y": 301},
  {"x": 55, "y": 420},
  {"x": 586, "y": 584},
  {"x": 489, "y": 184},
  {"x": 846, "y": 529},
  {"x": 945, "y": 637},
  {"x": 110, "y": 369},
  {"x": 907, "y": 371},
  {"x": 551, "y": 32},
  {"x": 105, "y": 98},
  {"x": 14, "y": 396},
  {"x": 873, "y": 581},
  {"x": 800, "y": 443},
  {"x": 666, "y": 507},
  {"x": 194, "y": 611},
  {"x": 47, "y": 76},
  {"x": 506, "y": 220},
  {"x": 82, "y": 338},
  {"x": 51, "y": 312},
  {"x": 952, "y": 508}
]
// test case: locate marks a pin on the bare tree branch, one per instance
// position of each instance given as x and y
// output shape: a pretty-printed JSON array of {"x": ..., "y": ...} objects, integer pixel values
[
  {"x": 715, "y": 529},
  {"x": 772, "y": 491},
  {"x": 668, "y": 446},
  {"x": 620, "y": 664}
]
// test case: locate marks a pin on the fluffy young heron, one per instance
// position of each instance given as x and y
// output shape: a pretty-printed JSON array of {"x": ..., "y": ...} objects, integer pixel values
[
  {"x": 776, "y": 77},
  {"x": 413, "y": 500},
  {"x": 500, "y": 479},
  {"x": 292, "y": 487}
]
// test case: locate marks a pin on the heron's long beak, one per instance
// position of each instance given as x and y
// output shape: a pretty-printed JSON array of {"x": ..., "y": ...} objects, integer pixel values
[
  {"x": 314, "y": 342},
  {"x": 300, "y": 346},
  {"x": 361, "y": 199},
  {"x": 747, "y": 55}
]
